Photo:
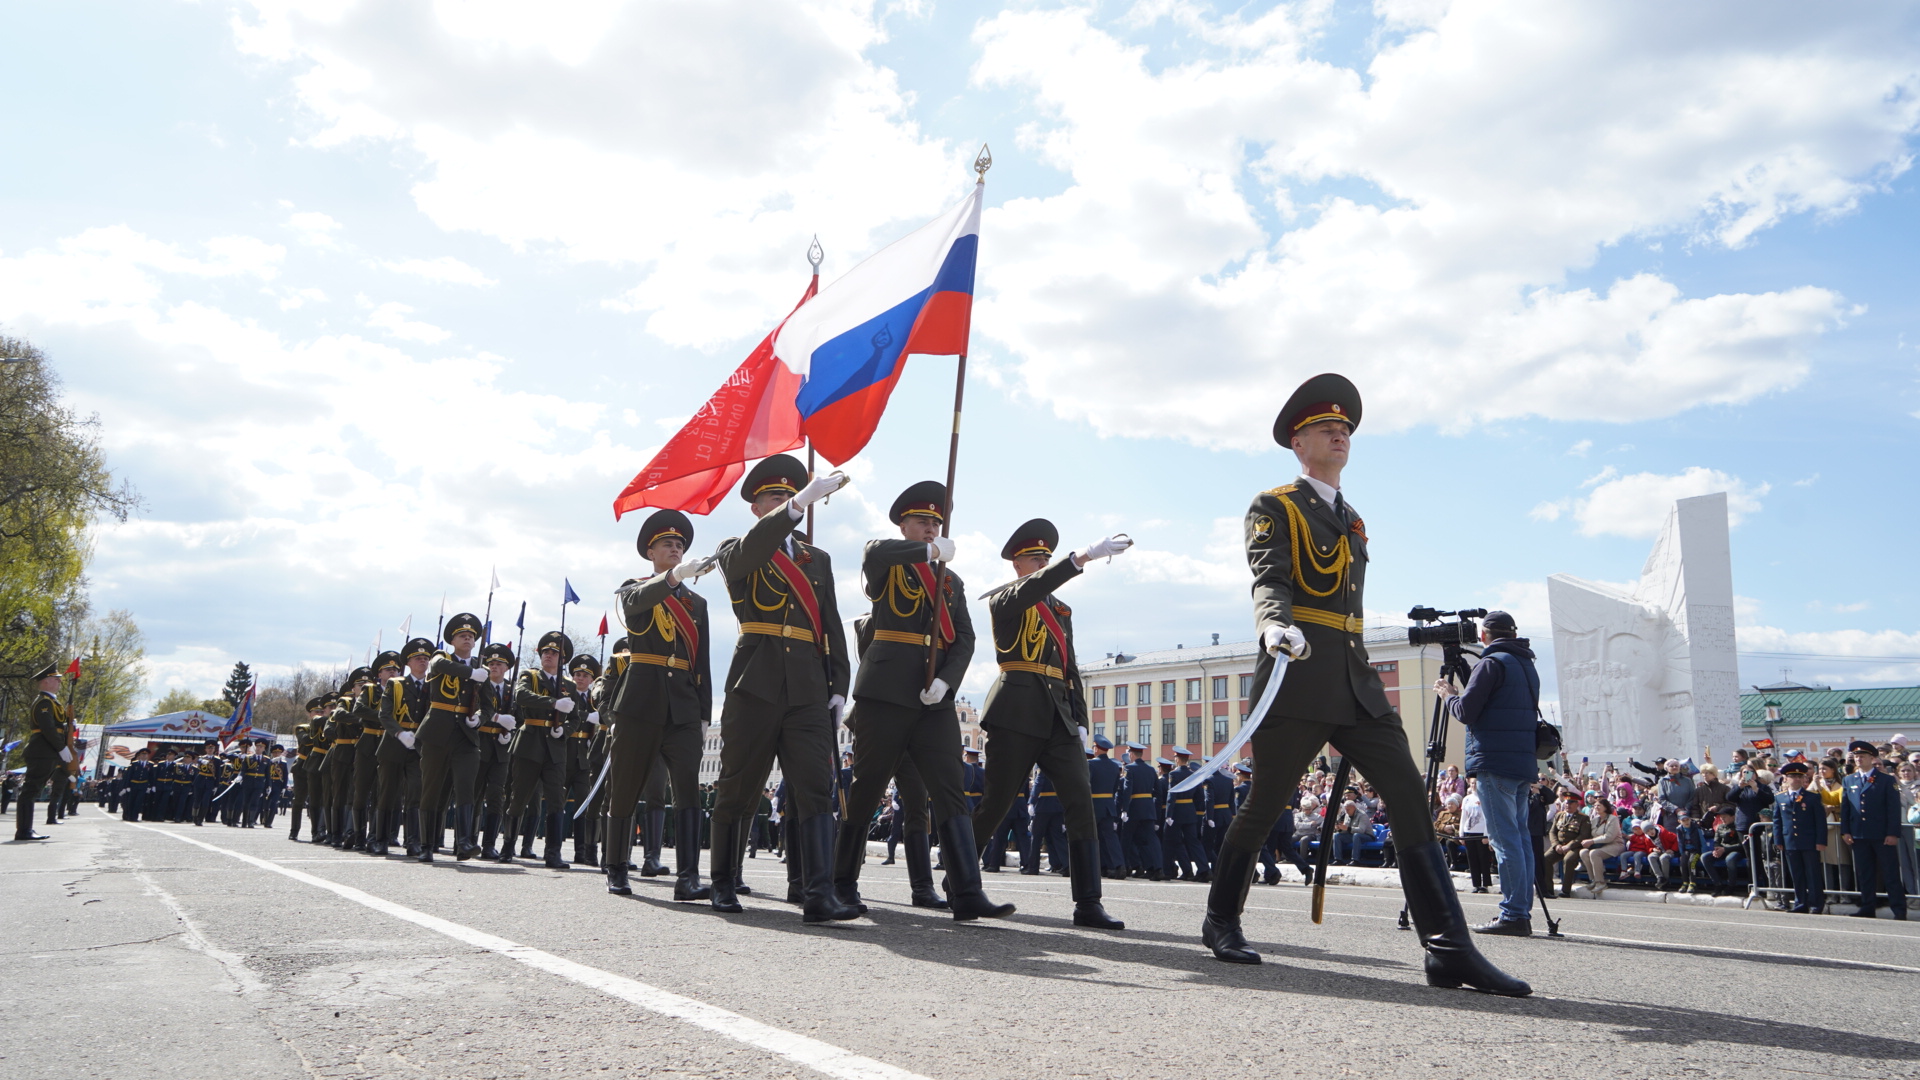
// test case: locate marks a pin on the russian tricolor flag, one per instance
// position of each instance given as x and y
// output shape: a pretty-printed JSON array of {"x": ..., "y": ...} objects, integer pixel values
[{"x": 850, "y": 343}]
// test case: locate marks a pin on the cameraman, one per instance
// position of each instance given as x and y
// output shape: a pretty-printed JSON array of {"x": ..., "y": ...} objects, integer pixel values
[{"x": 1499, "y": 709}]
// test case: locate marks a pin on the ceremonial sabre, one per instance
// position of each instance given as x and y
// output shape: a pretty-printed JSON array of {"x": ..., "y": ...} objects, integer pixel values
[
  {"x": 1207, "y": 767},
  {"x": 595, "y": 789},
  {"x": 229, "y": 788},
  {"x": 1326, "y": 840}
]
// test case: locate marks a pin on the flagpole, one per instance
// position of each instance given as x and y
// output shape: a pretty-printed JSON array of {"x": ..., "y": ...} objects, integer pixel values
[
  {"x": 980, "y": 166},
  {"x": 815, "y": 255},
  {"x": 486, "y": 624}
]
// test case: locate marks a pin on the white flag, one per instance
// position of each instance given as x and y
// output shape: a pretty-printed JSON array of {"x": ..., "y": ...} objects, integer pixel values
[
  {"x": 406, "y": 626},
  {"x": 495, "y": 575}
]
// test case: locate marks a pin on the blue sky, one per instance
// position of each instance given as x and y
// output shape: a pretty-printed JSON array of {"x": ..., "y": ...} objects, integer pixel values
[{"x": 371, "y": 299}]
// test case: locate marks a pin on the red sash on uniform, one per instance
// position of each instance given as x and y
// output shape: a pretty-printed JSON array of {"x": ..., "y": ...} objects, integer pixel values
[
  {"x": 688, "y": 628},
  {"x": 1045, "y": 611},
  {"x": 803, "y": 592},
  {"x": 925, "y": 573}
]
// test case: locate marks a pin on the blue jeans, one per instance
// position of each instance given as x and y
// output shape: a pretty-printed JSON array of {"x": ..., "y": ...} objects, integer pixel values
[{"x": 1505, "y": 803}]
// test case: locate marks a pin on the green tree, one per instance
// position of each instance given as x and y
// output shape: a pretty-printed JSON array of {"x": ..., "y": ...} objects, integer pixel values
[
  {"x": 175, "y": 700},
  {"x": 113, "y": 674},
  {"x": 236, "y": 687},
  {"x": 217, "y": 706}
]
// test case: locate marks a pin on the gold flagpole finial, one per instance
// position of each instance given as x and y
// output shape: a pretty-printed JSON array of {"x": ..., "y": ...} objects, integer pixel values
[
  {"x": 982, "y": 163},
  {"x": 816, "y": 254}
]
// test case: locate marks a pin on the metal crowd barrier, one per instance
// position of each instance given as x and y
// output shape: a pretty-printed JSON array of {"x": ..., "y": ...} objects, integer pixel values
[{"x": 1767, "y": 872}]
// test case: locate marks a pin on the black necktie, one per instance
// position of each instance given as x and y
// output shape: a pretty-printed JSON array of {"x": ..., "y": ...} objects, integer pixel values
[{"x": 1339, "y": 506}]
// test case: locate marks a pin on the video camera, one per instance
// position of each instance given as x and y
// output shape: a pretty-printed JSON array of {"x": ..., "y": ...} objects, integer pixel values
[{"x": 1463, "y": 632}]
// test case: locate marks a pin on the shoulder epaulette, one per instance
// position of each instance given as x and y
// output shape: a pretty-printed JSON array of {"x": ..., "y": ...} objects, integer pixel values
[{"x": 1283, "y": 489}]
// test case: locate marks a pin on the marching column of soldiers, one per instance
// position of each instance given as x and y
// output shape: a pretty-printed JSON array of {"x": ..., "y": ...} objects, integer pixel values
[{"x": 463, "y": 737}]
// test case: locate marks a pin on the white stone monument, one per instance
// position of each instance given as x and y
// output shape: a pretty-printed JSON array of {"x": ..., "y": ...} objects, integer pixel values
[{"x": 1652, "y": 672}]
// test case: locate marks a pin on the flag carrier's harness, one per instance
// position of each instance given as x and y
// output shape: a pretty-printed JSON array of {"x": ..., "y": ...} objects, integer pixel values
[{"x": 1453, "y": 666}]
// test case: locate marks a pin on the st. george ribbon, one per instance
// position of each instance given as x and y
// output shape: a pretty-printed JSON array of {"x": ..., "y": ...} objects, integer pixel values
[{"x": 1208, "y": 767}]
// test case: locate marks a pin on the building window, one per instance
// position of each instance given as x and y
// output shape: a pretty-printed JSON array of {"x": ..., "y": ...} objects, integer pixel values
[
  {"x": 1852, "y": 710},
  {"x": 1120, "y": 731},
  {"x": 1219, "y": 688},
  {"x": 1220, "y": 731},
  {"x": 1099, "y": 697},
  {"x": 1193, "y": 731},
  {"x": 1193, "y": 689},
  {"x": 1120, "y": 696},
  {"x": 1143, "y": 694},
  {"x": 1166, "y": 693},
  {"x": 1166, "y": 731},
  {"x": 1246, "y": 686},
  {"x": 1385, "y": 667},
  {"x": 1101, "y": 729}
]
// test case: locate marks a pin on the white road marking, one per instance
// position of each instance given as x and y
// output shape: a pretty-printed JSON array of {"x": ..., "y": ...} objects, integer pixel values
[{"x": 812, "y": 1053}]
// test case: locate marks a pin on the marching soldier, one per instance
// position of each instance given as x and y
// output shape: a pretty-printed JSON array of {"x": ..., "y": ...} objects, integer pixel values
[
  {"x": 366, "y": 753},
  {"x": 139, "y": 779},
  {"x": 589, "y": 741},
  {"x": 1184, "y": 816},
  {"x": 342, "y": 754},
  {"x": 206, "y": 783},
  {"x": 1308, "y": 552},
  {"x": 253, "y": 782},
  {"x": 320, "y": 799},
  {"x": 662, "y": 703},
  {"x": 543, "y": 700},
  {"x": 786, "y": 686},
  {"x": 915, "y": 647},
  {"x": 404, "y": 705},
  {"x": 46, "y": 749},
  {"x": 1104, "y": 777},
  {"x": 1037, "y": 708},
  {"x": 279, "y": 764},
  {"x": 496, "y": 760},
  {"x": 1143, "y": 818},
  {"x": 448, "y": 739},
  {"x": 297, "y": 775}
]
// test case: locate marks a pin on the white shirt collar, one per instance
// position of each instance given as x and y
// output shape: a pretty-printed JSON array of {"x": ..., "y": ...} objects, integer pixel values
[{"x": 1327, "y": 491}]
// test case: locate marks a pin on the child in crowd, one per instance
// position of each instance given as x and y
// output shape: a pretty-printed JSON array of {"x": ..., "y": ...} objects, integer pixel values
[{"x": 1639, "y": 849}]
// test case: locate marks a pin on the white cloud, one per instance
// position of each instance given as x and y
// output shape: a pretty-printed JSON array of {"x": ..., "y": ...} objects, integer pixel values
[
  {"x": 1637, "y": 505},
  {"x": 315, "y": 229},
  {"x": 700, "y": 144},
  {"x": 392, "y": 317},
  {"x": 1817, "y": 651},
  {"x": 1580, "y": 448},
  {"x": 1249, "y": 215},
  {"x": 446, "y": 270}
]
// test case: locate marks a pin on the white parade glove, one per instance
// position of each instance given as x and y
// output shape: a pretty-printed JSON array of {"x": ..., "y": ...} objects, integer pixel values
[
  {"x": 473, "y": 720},
  {"x": 563, "y": 705},
  {"x": 940, "y": 549},
  {"x": 935, "y": 693},
  {"x": 1169, "y": 823},
  {"x": 593, "y": 718},
  {"x": 505, "y": 738},
  {"x": 819, "y": 488},
  {"x": 695, "y": 570},
  {"x": 504, "y": 720},
  {"x": 477, "y": 674},
  {"x": 1274, "y": 638},
  {"x": 557, "y": 731},
  {"x": 835, "y": 706},
  {"x": 406, "y": 739},
  {"x": 1101, "y": 549},
  {"x": 66, "y": 755}
]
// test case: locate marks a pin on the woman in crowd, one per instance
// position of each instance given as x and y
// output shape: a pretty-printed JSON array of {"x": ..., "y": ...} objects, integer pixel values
[
  {"x": 1709, "y": 791},
  {"x": 1839, "y": 862},
  {"x": 1473, "y": 833},
  {"x": 1604, "y": 844}
]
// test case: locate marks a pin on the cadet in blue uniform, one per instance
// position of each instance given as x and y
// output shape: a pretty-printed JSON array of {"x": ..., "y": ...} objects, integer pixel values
[
  {"x": 974, "y": 777},
  {"x": 1870, "y": 826},
  {"x": 253, "y": 783},
  {"x": 1049, "y": 826},
  {"x": 139, "y": 778},
  {"x": 1104, "y": 776},
  {"x": 1143, "y": 816},
  {"x": 1183, "y": 821},
  {"x": 1800, "y": 829},
  {"x": 1219, "y": 811}
]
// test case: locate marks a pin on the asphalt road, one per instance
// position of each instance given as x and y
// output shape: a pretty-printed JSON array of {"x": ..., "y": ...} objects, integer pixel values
[{"x": 141, "y": 951}]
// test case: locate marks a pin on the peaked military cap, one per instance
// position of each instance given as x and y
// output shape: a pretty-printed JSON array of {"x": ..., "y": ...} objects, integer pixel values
[
  {"x": 587, "y": 662},
  {"x": 1862, "y": 746},
  {"x": 1323, "y": 397},
  {"x": 45, "y": 672},
  {"x": 1181, "y": 751},
  {"x": 356, "y": 675},
  {"x": 385, "y": 660},
  {"x": 416, "y": 647},
  {"x": 974, "y": 750},
  {"x": 662, "y": 523},
  {"x": 500, "y": 651},
  {"x": 1795, "y": 768},
  {"x": 928, "y": 498},
  {"x": 316, "y": 703},
  {"x": 622, "y": 644},
  {"x": 1136, "y": 746},
  {"x": 1036, "y": 537},
  {"x": 781, "y": 473},
  {"x": 466, "y": 620},
  {"x": 1103, "y": 742},
  {"x": 558, "y": 642},
  {"x": 1162, "y": 761}
]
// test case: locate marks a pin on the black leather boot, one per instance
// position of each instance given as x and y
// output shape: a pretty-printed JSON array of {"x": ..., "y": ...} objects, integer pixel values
[
  {"x": 583, "y": 840},
  {"x": 526, "y": 832},
  {"x": 920, "y": 871},
  {"x": 651, "y": 827},
  {"x": 1083, "y": 868},
  {"x": 619, "y": 846},
  {"x": 377, "y": 837},
  {"x": 725, "y": 852},
  {"x": 796, "y": 893},
  {"x": 964, "y": 895},
  {"x": 849, "y": 855},
  {"x": 1226, "y": 898},
  {"x": 23, "y": 821},
  {"x": 411, "y": 817},
  {"x": 293, "y": 831},
  {"x": 686, "y": 856},
  {"x": 816, "y": 871},
  {"x": 507, "y": 838},
  {"x": 488, "y": 835},
  {"x": 556, "y": 826},
  {"x": 1434, "y": 903},
  {"x": 430, "y": 834}
]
